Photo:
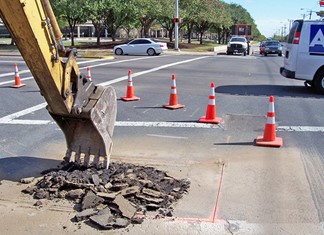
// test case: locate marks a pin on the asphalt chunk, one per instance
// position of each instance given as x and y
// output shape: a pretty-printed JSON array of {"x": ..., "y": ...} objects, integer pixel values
[{"x": 112, "y": 198}]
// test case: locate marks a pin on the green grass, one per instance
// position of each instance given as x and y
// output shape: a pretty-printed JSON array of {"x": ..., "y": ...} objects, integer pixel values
[
  {"x": 76, "y": 43},
  {"x": 205, "y": 47}
]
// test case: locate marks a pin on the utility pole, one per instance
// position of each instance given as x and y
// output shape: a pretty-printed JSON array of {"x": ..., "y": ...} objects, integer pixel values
[{"x": 176, "y": 27}]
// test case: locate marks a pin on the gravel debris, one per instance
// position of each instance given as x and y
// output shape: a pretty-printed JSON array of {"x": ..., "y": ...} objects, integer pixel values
[{"x": 111, "y": 198}]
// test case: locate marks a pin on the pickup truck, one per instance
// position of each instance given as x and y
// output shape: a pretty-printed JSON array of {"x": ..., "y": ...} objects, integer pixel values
[{"x": 238, "y": 45}]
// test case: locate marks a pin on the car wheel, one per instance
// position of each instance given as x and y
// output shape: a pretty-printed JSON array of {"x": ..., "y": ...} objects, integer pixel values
[
  {"x": 118, "y": 51},
  {"x": 280, "y": 54},
  {"x": 319, "y": 82},
  {"x": 150, "y": 52},
  {"x": 265, "y": 54}
]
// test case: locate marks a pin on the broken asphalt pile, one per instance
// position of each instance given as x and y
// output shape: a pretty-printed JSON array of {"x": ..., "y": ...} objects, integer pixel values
[{"x": 112, "y": 198}]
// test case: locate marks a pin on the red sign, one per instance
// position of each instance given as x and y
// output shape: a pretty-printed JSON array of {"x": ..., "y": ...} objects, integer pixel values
[{"x": 321, "y": 3}]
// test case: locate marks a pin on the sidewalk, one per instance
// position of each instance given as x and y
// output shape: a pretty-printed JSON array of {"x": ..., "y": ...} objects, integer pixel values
[{"x": 258, "y": 191}]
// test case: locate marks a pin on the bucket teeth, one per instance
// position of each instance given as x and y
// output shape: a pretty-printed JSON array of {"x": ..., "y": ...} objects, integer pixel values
[
  {"x": 87, "y": 159},
  {"x": 96, "y": 159},
  {"x": 77, "y": 156}
]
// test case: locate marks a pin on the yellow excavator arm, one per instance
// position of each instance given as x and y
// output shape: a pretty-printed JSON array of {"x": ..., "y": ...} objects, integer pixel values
[{"x": 86, "y": 113}]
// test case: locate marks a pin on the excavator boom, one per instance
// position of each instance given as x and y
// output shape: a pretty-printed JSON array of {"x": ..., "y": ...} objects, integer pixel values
[{"x": 85, "y": 112}]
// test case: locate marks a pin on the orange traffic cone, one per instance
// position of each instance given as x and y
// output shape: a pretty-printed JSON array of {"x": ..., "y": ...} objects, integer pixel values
[
  {"x": 173, "y": 102},
  {"x": 211, "y": 108},
  {"x": 17, "y": 78},
  {"x": 269, "y": 137},
  {"x": 130, "y": 90},
  {"x": 89, "y": 74}
]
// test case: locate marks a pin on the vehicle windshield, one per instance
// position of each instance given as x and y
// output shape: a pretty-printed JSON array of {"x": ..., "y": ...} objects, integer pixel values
[
  {"x": 238, "y": 40},
  {"x": 272, "y": 43}
]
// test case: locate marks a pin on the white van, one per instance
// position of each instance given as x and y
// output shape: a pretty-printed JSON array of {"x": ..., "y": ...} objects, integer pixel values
[{"x": 304, "y": 56}]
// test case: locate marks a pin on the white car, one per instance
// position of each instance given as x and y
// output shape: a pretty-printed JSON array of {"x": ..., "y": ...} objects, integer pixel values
[{"x": 141, "y": 46}]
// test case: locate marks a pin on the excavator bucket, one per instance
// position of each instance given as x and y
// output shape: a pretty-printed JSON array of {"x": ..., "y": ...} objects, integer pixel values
[{"x": 89, "y": 134}]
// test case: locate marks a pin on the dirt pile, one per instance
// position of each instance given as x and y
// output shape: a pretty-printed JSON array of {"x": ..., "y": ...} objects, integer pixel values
[{"x": 111, "y": 198}]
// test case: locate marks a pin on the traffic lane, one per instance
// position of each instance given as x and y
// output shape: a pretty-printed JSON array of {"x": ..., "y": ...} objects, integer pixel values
[
  {"x": 192, "y": 75},
  {"x": 7, "y": 68},
  {"x": 190, "y": 81},
  {"x": 17, "y": 99},
  {"x": 121, "y": 65},
  {"x": 31, "y": 86},
  {"x": 192, "y": 86}
]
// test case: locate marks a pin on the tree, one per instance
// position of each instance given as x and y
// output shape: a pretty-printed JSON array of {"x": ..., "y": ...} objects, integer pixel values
[
  {"x": 240, "y": 15},
  {"x": 147, "y": 14},
  {"x": 223, "y": 26},
  {"x": 71, "y": 11},
  {"x": 120, "y": 13},
  {"x": 189, "y": 11},
  {"x": 209, "y": 13},
  {"x": 130, "y": 13},
  {"x": 96, "y": 11},
  {"x": 165, "y": 15}
]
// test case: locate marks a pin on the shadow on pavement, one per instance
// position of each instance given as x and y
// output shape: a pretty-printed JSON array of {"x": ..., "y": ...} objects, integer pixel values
[
  {"x": 16, "y": 168},
  {"x": 237, "y": 144},
  {"x": 268, "y": 90}
]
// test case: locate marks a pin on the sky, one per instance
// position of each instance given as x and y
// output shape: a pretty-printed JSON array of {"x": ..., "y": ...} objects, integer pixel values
[{"x": 272, "y": 16}]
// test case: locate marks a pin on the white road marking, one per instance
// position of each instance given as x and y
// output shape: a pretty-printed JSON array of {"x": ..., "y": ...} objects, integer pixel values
[
  {"x": 81, "y": 68},
  {"x": 13, "y": 73},
  {"x": 120, "y": 123},
  {"x": 10, "y": 117},
  {"x": 151, "y": 70},
  {"x": 27, "y": 122},
  {"x": 9, "y": 82},
  {"x": 118, "y": 62},
  {"x": 168, "y": 136},
  {"x": 166, "y": 124},
  {"x": 301, "y": 128},
  {"x": 12, "y": 62}
]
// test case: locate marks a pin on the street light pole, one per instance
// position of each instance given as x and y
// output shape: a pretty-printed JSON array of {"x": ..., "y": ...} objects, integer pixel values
[
  {"x": 307, "y": 10},
  {"x": 176, "y": 27}
]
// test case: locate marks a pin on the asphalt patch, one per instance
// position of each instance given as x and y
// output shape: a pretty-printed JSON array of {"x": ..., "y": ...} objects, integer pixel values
[{"x": 111, "y": 198}]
